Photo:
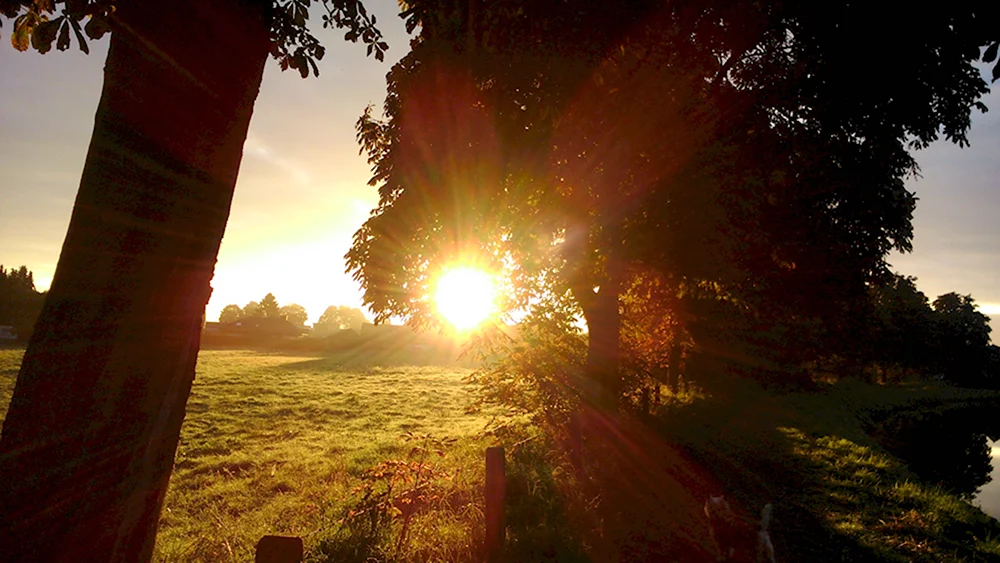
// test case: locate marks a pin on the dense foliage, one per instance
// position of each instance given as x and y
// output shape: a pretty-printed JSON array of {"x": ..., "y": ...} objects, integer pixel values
[
  {"x": 20, "y": 303},
  {"x": 37, "y": 24},
  {"x": 340, "y": 317},
  {"x": 907, "y": 335},
  {"x": 267, "y": 308},
  {"x": 727, "y": 149}
]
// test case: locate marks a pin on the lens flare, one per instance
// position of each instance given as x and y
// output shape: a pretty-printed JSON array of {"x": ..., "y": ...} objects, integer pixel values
[{"x": 465, "y": 297}]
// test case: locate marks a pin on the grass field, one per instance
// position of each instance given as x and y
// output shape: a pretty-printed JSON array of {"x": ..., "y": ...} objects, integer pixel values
[
  {"x": 277, "y": 444},
  {"x": 273, "y": 444}
]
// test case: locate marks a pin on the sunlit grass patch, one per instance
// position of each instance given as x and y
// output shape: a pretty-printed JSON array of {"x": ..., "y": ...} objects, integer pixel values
[
  {"x": 866, "y": 494},
  {"x": 273, "y": 444},
  {"x": 10, "y": 363}
]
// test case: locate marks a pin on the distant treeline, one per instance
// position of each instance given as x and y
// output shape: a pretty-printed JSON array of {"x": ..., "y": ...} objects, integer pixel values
[
  {"x": 948, "y": 337},
  {"x": 20, "y": 303},
  {"x": 891, "y": 333},
  {"x": 336, "y": 317}
]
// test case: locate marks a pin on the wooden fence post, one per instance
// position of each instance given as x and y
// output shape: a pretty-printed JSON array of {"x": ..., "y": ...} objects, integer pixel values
[
  {"x": 278, "y": 549},
  {"x": 496, "y": 484}
]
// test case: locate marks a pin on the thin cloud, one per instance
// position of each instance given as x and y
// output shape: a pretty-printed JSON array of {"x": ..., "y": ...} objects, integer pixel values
[{"x": 260, "y": 150}]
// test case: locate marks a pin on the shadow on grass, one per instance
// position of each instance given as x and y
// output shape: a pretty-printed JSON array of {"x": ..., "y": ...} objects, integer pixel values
[
  {"x": 364, "y": 358},
  {"x": 542, "y": 524},
  {"x": 837, "y": 495}
]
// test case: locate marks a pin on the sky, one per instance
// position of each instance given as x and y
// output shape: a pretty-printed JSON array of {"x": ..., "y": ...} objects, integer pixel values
[{"x": 302, "y": 189}]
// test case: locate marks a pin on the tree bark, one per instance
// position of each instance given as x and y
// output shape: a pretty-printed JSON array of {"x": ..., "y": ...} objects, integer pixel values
[
  {"x": 89, "y": 440},
  {"x": 674, "y": 368},
  {"x": 604, "y": 348},
  {"x": 604, "y": 323}
]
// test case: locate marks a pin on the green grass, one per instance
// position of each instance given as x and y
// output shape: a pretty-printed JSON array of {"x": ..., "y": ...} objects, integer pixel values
[
  {"x": 837, "y": 494},
  {"x": 275, "y": 444},
  {"x": 10, "y": 362}
]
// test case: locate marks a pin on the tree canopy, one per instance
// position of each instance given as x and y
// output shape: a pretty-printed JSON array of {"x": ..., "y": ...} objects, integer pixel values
[
  {"x": 39, "y": 24},
  {"x": 230, "y": 313},
  {"x": 340, "y": 317},
  {"x": 728, "y": 147},
  {"x": 20, "y": 302},
  {"x": 294, "y": 313},
  {"x": 268, "y": 308}
]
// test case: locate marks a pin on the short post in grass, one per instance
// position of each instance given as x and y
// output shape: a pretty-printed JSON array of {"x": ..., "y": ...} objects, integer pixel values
[
  {"x": 279, "y": 549},
  {"x": 496, "y": 483}
]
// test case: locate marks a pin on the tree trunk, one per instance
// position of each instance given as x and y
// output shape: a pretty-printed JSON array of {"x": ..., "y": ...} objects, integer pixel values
[
  {"x": 674, "y": 368},
  {"x": 89, "y": 440},
  {"x": 604, "y": 323},
  {"x": 604, "y": 348}
]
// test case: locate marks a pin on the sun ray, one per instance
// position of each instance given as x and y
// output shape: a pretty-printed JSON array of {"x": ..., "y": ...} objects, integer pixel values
[{"x": 465, "y": 297}]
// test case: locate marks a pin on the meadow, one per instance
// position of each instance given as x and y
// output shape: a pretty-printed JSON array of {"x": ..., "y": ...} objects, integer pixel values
[
  {"x": 284, "y": 444},
  {"x": 274, "y": 444}
]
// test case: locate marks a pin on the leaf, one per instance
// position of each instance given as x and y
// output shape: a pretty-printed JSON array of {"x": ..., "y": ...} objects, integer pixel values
[
  {"x": 79, "y": 36},
  {"x": 96, "y": 27},
  {"x": 63, "y": 43},
  {"x": 991, "y": 53},
  {"x": 45, "y": 6},
  {"x": 21, "y": 38},
  {"x": 44, "y": 34}
]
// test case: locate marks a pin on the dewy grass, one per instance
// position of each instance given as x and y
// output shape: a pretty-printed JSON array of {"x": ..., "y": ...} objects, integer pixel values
[
  {"x": 275, "y": 444},
  {"x": 10, "y": 362},
  {"x": 837, "y": 494}
]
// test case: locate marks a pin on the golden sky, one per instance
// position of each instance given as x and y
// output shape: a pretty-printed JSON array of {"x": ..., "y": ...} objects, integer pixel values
[{"x": 302, "y": 189}]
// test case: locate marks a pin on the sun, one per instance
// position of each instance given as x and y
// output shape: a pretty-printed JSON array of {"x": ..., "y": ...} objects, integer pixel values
[{"x": 465, "y": 297}]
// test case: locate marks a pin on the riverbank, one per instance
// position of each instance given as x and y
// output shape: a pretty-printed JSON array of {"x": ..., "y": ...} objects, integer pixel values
[{"x": 838, "y": 495}]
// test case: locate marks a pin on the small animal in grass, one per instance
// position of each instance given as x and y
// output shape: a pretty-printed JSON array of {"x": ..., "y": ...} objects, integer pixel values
[
  {"x": 725, "y": 526},
  {"x": 733, "y": 535},
  {"x": 765, "y": 549}
]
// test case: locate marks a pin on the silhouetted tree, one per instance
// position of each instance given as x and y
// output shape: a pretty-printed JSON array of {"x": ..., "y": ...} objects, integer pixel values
[
  {"x": 89, "y": 439},
  {"x": 230, "y": 313},
  {"x": 901, "y": 333},
  {"x": 963, "y": 339},
  {"x": 20, "y": 303},
  {"x": 252, "y": 309},
  {"x": 295, "y": 314},
  {"x": 269, "y": 307},
  {"x": 728, "y": 146},
  {"x": 340, "y": 317}
]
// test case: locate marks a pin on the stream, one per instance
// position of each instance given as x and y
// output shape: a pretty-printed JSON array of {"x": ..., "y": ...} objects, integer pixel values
[{"x": 958, "y": 450}]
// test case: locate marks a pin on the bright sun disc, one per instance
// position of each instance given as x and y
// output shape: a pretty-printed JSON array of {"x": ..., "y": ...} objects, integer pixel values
[{"x": 465, "y": 297}]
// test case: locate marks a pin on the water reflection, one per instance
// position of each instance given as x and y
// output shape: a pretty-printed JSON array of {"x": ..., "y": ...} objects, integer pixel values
[
  {"x": 953, "y": 449},
  {"x": 989, "y": 496}
]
